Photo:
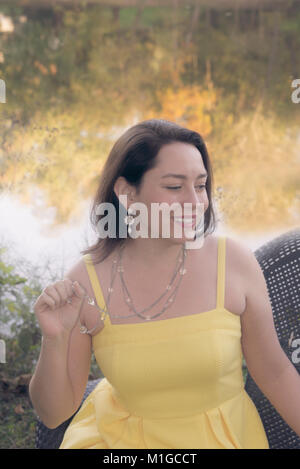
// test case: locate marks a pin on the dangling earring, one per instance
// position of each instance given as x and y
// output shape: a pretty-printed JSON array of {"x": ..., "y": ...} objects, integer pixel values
[{"x": 129, "y": 218}]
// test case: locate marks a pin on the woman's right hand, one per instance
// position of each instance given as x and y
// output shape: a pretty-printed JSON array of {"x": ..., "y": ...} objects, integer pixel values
[{"x": 57, "y": 316}]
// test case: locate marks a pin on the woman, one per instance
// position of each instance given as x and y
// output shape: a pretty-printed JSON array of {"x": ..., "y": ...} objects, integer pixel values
[{"x": 178, "y": 321}]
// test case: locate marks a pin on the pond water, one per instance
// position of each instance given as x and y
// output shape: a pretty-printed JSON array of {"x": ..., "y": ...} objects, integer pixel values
[{"x": 77, "y": 77}]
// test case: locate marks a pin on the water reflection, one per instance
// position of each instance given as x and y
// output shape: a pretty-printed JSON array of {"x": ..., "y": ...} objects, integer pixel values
[{"x": 78, "y": 76}]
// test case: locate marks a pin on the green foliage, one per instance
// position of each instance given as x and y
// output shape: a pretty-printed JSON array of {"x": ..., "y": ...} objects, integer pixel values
[
  {"x": 244, "y": 370},
  {"x": 22, "y": 334},
  {"x": 22, "y": 337},
  {"x": 20, "y": 328}
]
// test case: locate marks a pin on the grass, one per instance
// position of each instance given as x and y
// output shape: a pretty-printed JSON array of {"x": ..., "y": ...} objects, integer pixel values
[{"x": 17, "y": 429}]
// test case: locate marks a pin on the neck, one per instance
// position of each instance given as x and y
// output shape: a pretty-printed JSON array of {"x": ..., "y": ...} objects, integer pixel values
[{"x": 151, "y": 252}]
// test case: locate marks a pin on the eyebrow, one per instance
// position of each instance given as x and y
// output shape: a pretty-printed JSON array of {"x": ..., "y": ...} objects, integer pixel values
[{"x": 182, "y": 176}]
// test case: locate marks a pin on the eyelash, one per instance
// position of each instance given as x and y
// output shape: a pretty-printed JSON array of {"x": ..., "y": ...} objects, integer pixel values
[{"x": 178, "y": 187}]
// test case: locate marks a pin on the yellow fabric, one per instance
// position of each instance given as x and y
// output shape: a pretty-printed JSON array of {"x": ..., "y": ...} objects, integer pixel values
[{"x": 171, "y": 383}]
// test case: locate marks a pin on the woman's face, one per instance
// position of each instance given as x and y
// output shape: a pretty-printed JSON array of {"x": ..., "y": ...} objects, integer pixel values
[{"x": 178, "y": 177}]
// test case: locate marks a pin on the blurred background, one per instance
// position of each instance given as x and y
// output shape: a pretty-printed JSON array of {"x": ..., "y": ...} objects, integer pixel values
[{"x": 77, "y": 75}]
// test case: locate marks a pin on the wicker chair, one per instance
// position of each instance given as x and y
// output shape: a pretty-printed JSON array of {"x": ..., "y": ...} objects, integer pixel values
[{"x": 280, "y": 263}]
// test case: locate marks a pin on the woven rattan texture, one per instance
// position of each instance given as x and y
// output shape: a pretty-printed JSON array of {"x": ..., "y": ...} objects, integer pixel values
[{"x": 280, "y": 263}]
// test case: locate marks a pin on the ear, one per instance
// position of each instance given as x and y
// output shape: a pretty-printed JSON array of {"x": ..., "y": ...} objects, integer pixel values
[{"x": 122, "y": 187}]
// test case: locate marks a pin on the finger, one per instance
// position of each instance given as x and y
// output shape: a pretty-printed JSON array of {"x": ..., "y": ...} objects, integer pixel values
[
  {"x": 46, "y": 300},
  {"x": 68, "y": 284},
  {"x": 62, "y": 290},
  {"x": 52, "y": 292},
  {"x": 49, "y": 301},
  {"x": 79, "y": 291}
]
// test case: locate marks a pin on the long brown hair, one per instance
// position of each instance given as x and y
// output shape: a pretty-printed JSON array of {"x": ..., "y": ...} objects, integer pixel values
[{"x": 131, "y": 156}]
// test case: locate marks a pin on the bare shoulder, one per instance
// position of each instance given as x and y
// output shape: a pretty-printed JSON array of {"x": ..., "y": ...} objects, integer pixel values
[
  {"x": 246, "y": 268},
  {"x": 252, "y": 276},
  {"x": 89, "y": 314},
  {"x": 236, "y": 250},
  {"x": 239, "y": 251},
  {"x": 75, "y": 270},
  {"x": 244, "y": 262},
  {"x": 78, "y": 271}
]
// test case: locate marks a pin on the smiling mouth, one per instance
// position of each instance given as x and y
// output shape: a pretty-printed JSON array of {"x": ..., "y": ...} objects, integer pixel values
[{"x": 188, "y": 222}]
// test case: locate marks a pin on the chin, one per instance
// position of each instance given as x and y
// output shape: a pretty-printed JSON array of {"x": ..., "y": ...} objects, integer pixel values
[{"x": 187, "y": 237}]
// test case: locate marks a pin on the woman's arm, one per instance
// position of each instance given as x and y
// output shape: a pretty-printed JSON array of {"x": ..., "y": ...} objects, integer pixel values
[
  {"x": 266, "y": 361},
  {"x": 59, "y": 381}
]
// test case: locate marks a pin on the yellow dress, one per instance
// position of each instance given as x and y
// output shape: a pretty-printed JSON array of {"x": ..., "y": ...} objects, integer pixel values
[{"x": 172, "y": 383}]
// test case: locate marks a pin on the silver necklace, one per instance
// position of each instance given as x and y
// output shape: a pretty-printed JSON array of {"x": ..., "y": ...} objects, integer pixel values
[
  {"x": 117, "y": 267},
  {"x": 169, "y": 300}
]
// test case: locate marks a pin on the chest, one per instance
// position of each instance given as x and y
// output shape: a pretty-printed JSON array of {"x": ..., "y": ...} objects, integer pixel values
[{"x": 193, "y": 292}]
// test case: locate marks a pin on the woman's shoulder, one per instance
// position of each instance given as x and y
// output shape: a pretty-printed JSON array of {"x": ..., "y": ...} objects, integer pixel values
[
  {"x": 237, "y": 247},
  {"x": 89, "y": 314},
  {"x": 241, "y": 256},
  {"x": 238, "y": 253},
  {"x": 78, "y": 271}
]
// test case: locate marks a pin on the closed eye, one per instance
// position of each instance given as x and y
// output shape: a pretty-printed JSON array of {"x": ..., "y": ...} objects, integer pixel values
[{"x": 179, "y": 187}]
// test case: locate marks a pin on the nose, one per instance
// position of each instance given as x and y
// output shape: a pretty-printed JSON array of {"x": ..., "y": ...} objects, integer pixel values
[
  {"x": 196, "y": 202},
  {"x": 193, "y": 198}
]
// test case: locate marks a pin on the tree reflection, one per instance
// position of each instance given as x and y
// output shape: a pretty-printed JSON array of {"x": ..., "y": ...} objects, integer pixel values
[{"x": 76, "y": 76}]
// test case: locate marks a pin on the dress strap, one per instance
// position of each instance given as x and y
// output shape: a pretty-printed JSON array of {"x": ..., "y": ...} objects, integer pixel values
[
  {"x": 94, "y": 280},
  {"x": 221, "y": 272}
]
